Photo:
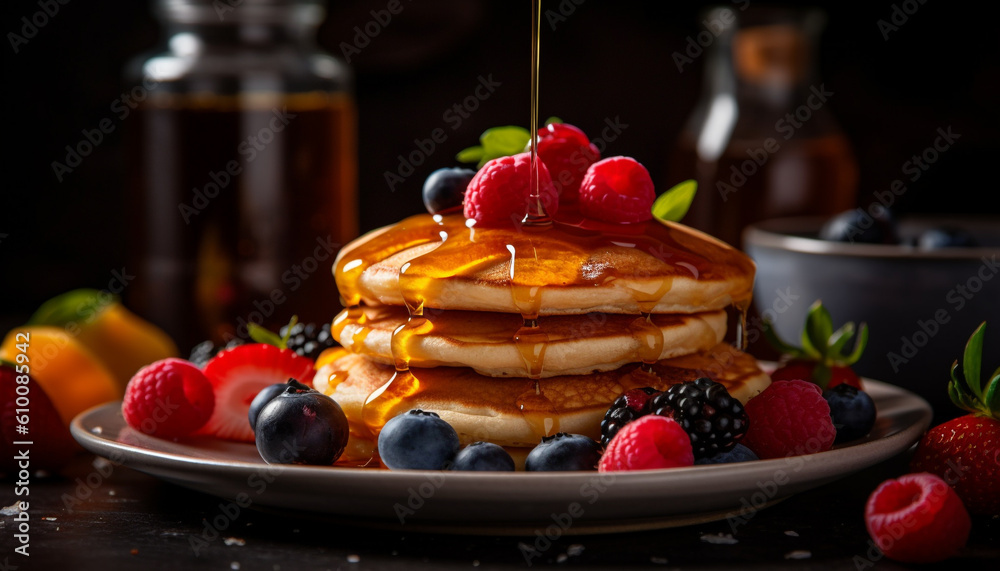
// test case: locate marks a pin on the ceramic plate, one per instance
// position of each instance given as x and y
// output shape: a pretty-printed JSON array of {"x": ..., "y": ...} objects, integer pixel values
[{"x": 494, "y": 503}]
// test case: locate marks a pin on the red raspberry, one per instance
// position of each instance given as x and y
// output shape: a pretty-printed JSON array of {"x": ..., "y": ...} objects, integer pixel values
[
  {"x": 567, "y": 153},
  {"x": 564, "y": 131},
  {"x": 168, "y": 399},
  {"x": 648, "y": 443},
  {"x": 617, "y": 189},
  {"x": 790, "y": 418},
  {"x": 500, "y": 191},
  {"x": 917, "y": 518}
]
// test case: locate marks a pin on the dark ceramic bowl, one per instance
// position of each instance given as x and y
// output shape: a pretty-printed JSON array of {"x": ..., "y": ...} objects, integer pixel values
[{"x": 921, "y": 306}]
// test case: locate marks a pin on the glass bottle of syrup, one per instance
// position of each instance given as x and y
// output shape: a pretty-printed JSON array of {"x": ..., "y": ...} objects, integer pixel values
[
  {"x": 242, "y": 169},
  {"x": 762, "y": 142}
]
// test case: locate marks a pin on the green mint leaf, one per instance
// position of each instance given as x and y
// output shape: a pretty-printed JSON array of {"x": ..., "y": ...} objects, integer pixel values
[
  {"x": 470, "y": 155},
  {"x": 504, "y": 141},
  {"x": 72, "y": 306},
  {"x": 263, "y": 335},
  {"x": 673, "y": 204}
]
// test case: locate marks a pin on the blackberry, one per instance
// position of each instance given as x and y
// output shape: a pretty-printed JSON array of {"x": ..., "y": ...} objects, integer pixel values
[
  {"x": 204, "y": 351},
  {"x": 308, "y": 339},
  {"x": 624, "y": 410},
  {"x": 713, "y": 419}
]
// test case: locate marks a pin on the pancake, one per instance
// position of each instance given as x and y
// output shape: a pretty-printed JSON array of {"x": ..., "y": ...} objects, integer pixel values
[
  {"x": 574, "y": 344},
  {"x": 517, "y": 412},
  {"x": 576, "y": 266}
]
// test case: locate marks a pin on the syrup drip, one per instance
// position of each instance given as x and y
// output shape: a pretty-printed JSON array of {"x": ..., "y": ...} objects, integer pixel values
[
  {"x": 536, "y": 410},
  {"x": 741, "y": 326},
  {"x": 536, "y": 215}
]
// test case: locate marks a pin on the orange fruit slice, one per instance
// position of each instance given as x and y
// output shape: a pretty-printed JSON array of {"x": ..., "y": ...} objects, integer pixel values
[{"x": 68, "y": 372}]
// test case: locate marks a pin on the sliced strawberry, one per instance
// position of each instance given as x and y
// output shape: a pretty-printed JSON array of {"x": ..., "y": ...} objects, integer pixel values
[{"x": 238, "y": 374}]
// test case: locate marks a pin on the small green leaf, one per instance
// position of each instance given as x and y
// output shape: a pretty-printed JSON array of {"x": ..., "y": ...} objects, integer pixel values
[
  {"x": 817, "y": 331},
  {"x": 972, "y": 360},
  {"x": 504, "y": 141},
  {"x": 552, "y": 120},
  {"x": 779, "y": 345},
  {"x": 470, "y": 155},
  {"x": 72, "y": 306},
  {"x": 992, "y": 396},
  {"x": 840, "y": 338},
  {"x": 264, "y": 335},
  {"x": 859, "y": 346},
  {"x": 673, "y": 204}
]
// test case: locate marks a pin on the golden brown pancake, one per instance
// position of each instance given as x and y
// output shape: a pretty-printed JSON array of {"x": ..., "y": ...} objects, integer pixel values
[
  {"x": 576, "y": 266},
  {"x": 484, "y": 341},
  {"x": 517, "y": 412}
]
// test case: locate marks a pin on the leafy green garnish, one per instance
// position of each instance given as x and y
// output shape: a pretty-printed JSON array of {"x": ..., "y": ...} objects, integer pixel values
[
  {"x": 673, "y": 204},
  {"x": 821, "y": 344},
  {"x": 264, "y": 335},
  {"x": 499, "y": 142},
  {"x": 495, "y": 143},
  {"x": 967, "y": 392}
]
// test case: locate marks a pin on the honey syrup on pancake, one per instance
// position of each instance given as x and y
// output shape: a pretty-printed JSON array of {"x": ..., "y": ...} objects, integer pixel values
[{"x": 543, "y": 250}]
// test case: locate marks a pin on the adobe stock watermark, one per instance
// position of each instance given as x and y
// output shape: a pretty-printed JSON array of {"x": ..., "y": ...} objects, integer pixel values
[
  {"x": 454, "y": 116},
  {"x": 292, "y": 279},
  {"x": 248, "y": 149},
  {"x": 87, "y": 485},
  {"x": 898, "y": 16},
  {"x": 785, "y": 126},
  {"x": 92, "y": 138},
  {"x": 956, "y": 298},
  {"x": 915, "y": 167},
  {"x": 590, "y": 492},
  {"x": 562, "y": 11},
  {"x": 768, "y": 490},
  {"x": 33, "y": 23},
  {"x": 364, "y": 34},
  {"x": 714, "y": 25},
  {"x": 230, "y": 511}
]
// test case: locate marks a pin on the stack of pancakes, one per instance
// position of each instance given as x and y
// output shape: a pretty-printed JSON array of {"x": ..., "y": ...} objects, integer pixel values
[{"x": 514, "y": 333}]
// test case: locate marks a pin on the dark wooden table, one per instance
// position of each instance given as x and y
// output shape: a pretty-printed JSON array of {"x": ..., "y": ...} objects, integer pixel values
[{"x": 130, "y": 520}]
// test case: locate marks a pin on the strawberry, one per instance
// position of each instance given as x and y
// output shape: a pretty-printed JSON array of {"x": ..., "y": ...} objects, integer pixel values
[
  {"x": 965, "y": 451},
  {"x": 53, "y": 446},
  {"x": 820, "y": 359},
  {"x": 238, "y": 374}
]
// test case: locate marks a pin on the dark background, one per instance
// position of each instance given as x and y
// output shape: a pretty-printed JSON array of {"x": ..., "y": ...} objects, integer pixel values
[{"x": 606, "y": 60}]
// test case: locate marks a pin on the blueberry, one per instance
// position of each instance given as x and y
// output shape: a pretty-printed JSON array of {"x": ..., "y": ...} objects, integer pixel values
[
  {"x": 444, "y": 189},
  {"x": 301, "y": 427},
  {"x": 266, "y": 395},
  {"x": 562, "y": 452},
  {"x": 946, "y": 238},
  {"x": 483, "y": 457},
  {"x": 739, "y": 453},
  {"x": 859, "y": 226},
  {"x": 417, "y": 440},
  {"x": 852, "y": 411}
]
